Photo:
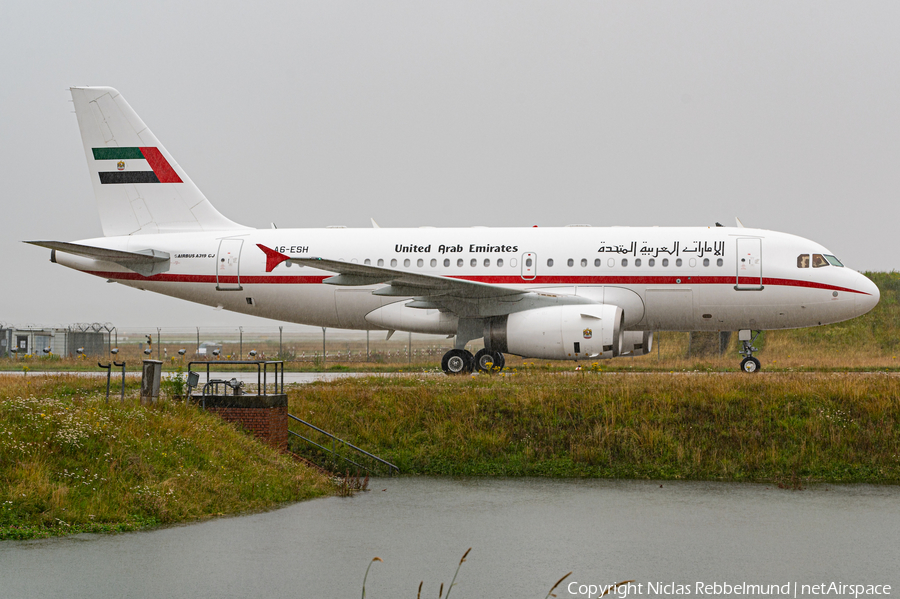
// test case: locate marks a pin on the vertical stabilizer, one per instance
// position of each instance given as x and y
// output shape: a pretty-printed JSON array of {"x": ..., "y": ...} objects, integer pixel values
[{"x": 138, "y": 185}]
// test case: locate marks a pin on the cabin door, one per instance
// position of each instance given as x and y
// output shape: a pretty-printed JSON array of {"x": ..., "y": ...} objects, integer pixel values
[
  {"x": 749, "y": 264},
  {"x": 228, "y": 262}
]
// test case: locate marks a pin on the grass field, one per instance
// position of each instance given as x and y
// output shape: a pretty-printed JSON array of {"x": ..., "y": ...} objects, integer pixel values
[
  {"x": 70, "y": 462},
  {"x": 784, "y": 428}
]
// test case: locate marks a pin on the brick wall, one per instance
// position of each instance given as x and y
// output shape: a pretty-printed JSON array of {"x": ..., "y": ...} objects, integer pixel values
[{"x": 268, "y": 424}]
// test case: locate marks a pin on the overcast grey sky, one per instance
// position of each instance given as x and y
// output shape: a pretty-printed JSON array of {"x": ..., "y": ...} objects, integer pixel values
[{"x": 785, "y": 114}]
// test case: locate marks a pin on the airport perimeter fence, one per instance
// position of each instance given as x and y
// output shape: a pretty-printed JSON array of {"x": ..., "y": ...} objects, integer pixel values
[
  {"x": 290, "y": 344},
  {"x": 298, "y": 344}
]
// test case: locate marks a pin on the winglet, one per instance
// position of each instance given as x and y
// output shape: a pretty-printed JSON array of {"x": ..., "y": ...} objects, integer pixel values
[{"x": 273, "y": 258}]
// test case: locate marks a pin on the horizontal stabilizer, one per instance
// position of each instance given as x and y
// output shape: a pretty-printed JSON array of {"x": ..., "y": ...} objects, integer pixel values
[{"x": 144, "y": 262}]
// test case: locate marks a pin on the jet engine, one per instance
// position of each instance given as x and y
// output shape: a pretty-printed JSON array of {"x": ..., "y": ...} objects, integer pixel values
[
  {"x": 558, "y": 332},
  {"x": 636, "y": 343}
]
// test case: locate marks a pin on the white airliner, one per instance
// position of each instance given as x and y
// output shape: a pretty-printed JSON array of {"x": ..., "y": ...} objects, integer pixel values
[{"x": 568, "y": 293}]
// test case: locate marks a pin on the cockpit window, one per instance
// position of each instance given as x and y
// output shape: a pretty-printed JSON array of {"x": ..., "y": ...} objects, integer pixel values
[
  {"x": 803, "y": 261},
  {"x": 818, "y": 261},
  {"x": 834, "y": 261}
]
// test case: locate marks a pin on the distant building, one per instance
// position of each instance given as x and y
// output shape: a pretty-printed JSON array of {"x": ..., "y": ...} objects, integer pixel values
[{"x": 42, "y": 341}]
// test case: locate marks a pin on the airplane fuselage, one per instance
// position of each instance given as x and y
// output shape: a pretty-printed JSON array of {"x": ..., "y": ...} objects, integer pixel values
[{"x": 664, "y": 278}]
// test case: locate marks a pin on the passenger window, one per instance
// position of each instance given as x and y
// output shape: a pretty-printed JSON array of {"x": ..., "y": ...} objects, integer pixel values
[
  {"x": 651, "y": 262},
  {"x": 720, "y": 262},
  {"x": 598, "y": 262},
  {"x": 499, "y": 261},
  {"x": 637, "y": 262},
  {"x": 818, "y": 261},
  {"x": 832, "y": 260},
  {"x": 665, "y": 261},
  {"x": 528, "y": 262},
  {"x": 367, "y": 261},
  {"x": 706, "y": 262},
  {"x": 678, "y": 262},
  {"x": 611, "y": 262},
  {"x": 583, "y": 262},
  {"x": 420, "y": 263},
  {"x": 473, "y": 262},
  {"x": 433, "y": 263},
  {"x": 549, "y": 261},
  {"x": 446, "y": 262},
  {"x": 803, "y": 261},
  {"x": 406, "y": 262},
  {"x": 624, "y": 261},
  {"x": 393, "y": 262},
  {"x": 570, "y": 262},
  {"x": 487, "y": 261},
  {"x": 380, "y": 262},
  {"x": 459, "y": 262}
]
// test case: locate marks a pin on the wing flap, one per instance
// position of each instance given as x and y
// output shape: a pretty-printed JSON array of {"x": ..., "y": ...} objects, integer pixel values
[{"x": 417, "y": 282}]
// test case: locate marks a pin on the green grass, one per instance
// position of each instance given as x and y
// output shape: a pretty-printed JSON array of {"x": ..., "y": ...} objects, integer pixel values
[
  {"x": 769, "y": 427},
  {"x": 70, "y": 462}
]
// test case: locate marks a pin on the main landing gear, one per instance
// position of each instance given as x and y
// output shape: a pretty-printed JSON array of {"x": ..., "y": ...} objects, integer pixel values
[
  {"x": 461, "y": 361},
  {"x": 749, "y": 364}
]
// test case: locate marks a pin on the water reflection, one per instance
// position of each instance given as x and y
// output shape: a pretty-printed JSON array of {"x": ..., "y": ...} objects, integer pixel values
[{"x": 525, "y": 534}]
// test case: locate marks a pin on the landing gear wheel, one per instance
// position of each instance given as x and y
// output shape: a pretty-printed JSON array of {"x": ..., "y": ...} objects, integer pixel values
[
  {"x": 457, "y": 361},
  {"x": 750, "y": 364},
  {"x": 499, "y": 361},
  {"x": 484, "y": 361},
  {"x": 488, "y": 361}
]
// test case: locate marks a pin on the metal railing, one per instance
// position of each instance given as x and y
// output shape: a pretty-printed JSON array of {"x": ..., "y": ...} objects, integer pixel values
[
  {"x": 262, "y": 372},
  {"x": 391, "y": 468}
]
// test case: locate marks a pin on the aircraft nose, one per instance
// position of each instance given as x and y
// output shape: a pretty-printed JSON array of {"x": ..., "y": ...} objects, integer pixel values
[{"x": 869, "y": 297}]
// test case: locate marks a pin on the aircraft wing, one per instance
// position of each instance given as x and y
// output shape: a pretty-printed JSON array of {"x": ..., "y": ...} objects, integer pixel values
[
  {"x": 400, "y": 282},
  {"x": 145, "y": 262}
]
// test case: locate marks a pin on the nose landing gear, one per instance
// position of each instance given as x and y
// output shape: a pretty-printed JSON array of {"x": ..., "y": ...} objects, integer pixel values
[{"x": 749, "y": 364}]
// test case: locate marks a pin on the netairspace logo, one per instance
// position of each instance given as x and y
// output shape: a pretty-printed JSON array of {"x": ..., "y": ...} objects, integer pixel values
[{"x": 724, "y": 589}]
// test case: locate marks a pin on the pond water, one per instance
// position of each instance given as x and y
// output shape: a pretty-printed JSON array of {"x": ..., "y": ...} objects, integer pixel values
[{"x": 524, "y": 533}]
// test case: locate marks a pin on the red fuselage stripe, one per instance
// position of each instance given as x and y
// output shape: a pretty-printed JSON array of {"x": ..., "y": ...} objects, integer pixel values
[{"x": 491, "y": 280}]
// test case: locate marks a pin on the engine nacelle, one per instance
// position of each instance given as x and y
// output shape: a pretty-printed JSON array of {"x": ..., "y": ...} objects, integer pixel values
[
  {"x": 558, "y": 332},
  {"x": 400, "y": 317},
  {"x": 636, "y": 343}
]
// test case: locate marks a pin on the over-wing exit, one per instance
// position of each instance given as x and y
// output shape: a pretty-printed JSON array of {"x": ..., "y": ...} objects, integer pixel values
[{"x": 566, "y": 293}]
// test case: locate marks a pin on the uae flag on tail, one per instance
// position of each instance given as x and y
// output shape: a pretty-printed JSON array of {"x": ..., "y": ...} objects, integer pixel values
[{"x": 131, "y": 164}]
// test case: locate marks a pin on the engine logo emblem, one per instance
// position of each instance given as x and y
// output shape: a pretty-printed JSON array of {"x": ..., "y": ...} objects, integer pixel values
[{"x": 588, "y": 333}]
